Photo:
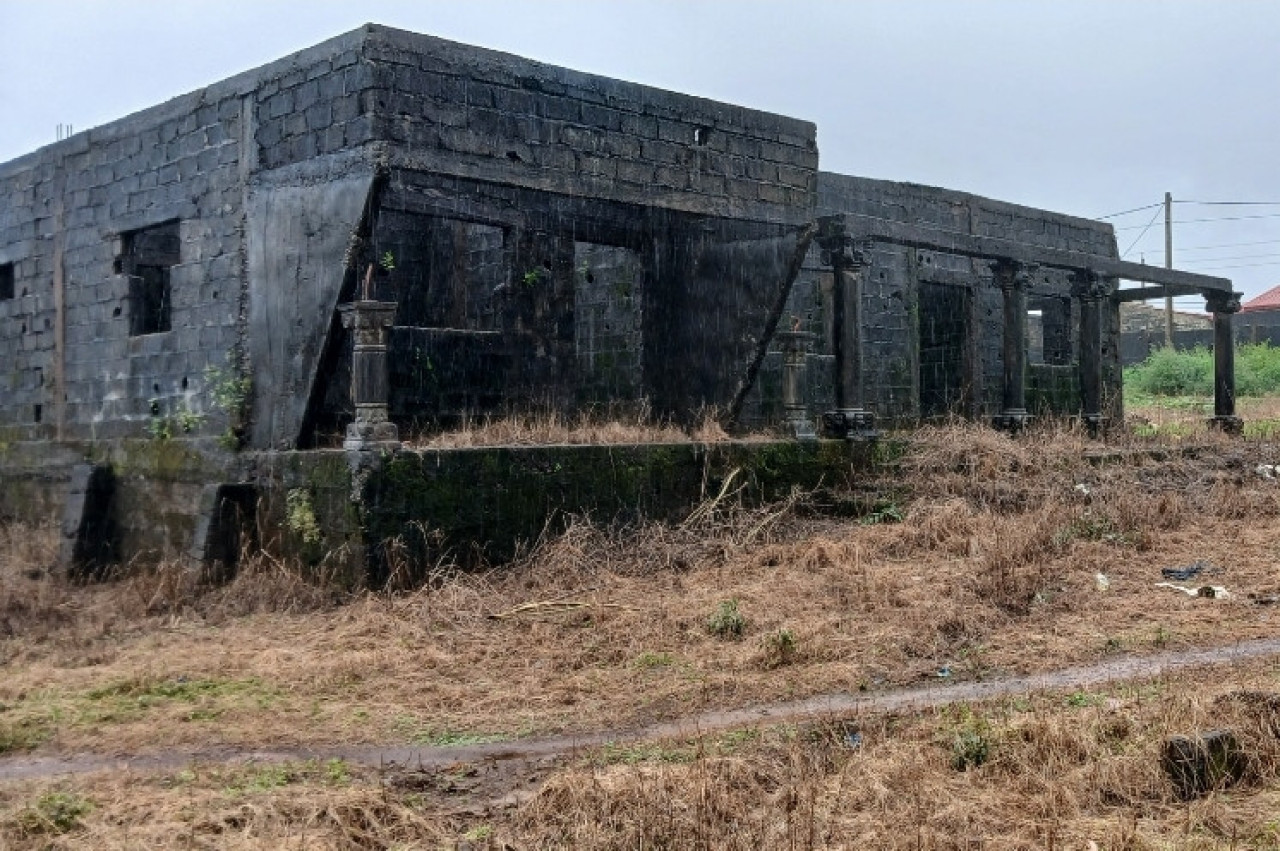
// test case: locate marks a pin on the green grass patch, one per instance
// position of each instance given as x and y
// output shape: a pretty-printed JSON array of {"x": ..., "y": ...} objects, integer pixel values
[
  {"x": 23, "y": 735},
  {"x": 613, "y": 753},
  {"x": 1167, "y": 373},
  {"x": 55, "y": 813},
  {"x": 648, "y": 660},
  {"x": 130, "y": 700},
  {"x": 419, "y": 733}
]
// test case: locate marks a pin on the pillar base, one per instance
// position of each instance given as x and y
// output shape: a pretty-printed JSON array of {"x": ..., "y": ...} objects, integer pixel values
[
  {"x": 1229, "y": 424},
  {"x": 1095, "y": 424},
  {"x": 850, "y": 424},
  {"x": 1012, "y": 421},
  {"x": 366, "y": 436},
  {"x": 799, "y": 425}
]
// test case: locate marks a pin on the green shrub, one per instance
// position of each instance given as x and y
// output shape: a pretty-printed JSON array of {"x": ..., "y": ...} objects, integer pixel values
[
  {"x": 726, "y": 621},
  {"x": 1190, "y": 373},
  {"x": 1167, "y": 372},
  {"x": 55, "y": 812},
  {"x": 779, "y": 648}
]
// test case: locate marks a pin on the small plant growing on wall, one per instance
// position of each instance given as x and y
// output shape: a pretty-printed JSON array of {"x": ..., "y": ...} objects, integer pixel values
[
  {"x": 300, "y": 516},
  {"x": 230, "y": 392},
  {"x": 168, "y": 426}
]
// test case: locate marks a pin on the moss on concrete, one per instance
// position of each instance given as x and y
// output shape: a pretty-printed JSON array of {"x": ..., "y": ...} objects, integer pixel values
[{"x": 487, "y": 502}]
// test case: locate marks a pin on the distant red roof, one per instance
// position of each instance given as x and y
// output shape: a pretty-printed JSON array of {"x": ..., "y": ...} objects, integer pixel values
[{"x": 1270, "y": 300}]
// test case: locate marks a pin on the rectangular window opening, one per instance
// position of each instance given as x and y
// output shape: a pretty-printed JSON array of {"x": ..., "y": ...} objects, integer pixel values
[
  {"x": 147, "y": 257},
  {"x": 6, "y": 281}
]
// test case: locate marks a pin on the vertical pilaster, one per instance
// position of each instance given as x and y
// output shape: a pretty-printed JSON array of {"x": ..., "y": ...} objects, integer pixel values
[
  {"x": 1014, "y": 279},
  {"x": 850, "y": 419},
  {"x": 1091, "y": 289},
  {"x": 368, "y": 322},
  {"x": 1223, "y": 306},
  {"x": 795, "y": 410}
]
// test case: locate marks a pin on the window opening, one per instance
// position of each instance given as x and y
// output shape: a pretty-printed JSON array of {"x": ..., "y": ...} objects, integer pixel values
[
  {"x": 147, "y": 258},
  {"x": 6, "y": 281}
]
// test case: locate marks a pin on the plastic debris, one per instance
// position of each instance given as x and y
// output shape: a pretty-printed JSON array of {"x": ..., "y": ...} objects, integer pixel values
[
  {"x": 1267, "y": 471},
  {"x": 944, "y": 672},
  {"x": 852, "y": 739},
  {"x": 1212, "y": 592},
  {"x": 1083, "y": 490},
  {"x": 1101, "y": 582},
  {"x": 1191, "y": 571}
]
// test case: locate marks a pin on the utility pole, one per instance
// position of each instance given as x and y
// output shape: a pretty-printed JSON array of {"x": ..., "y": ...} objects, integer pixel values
[{"x": 1168, "y": 264}]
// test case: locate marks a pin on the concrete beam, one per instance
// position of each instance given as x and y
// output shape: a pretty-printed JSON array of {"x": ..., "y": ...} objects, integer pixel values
[{"x": 861, "y": 227}]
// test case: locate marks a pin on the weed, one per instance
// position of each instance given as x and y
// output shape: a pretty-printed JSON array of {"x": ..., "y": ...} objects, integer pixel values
[
  {"x": 653, "y": 660},
  {"x": 300, "y": 516},
  {"x": 735, "y": 740},
  {"x": 55, "y": 812},
  {"x": 230, "y": 392},
  {"x": 166, "y": 427},
  {"x": 1079, "y": 699},
  {"x": 387, "y": 261},
  {"x": 1090, "y": 526},
  {"x": 479, "y": 833},
  {"x": 884, "y": 512},
  {"x": 336, "y": 772},
  {"x": 263, "y": 778},
  {"x": 726, "y": 621},
  {"x": 1171, "y": 374},
  {"x": 779, "y": 648},
  {"x": 613, "y": 753},
  {"x": 418, "y": 734},
  {"x": 23, "y": 735}
]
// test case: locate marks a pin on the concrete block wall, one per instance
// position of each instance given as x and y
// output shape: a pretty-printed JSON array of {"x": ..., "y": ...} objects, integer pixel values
[
  {"x": 75, "y": 369},
  {"x": 891, "y": 289},
  {"x": 469, "y": 112}
]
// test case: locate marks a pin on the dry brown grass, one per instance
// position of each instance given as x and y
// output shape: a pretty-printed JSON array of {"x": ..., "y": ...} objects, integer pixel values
[
  {"x": 992, "y": 570},
  {"x": 554, "y": 428},
  {"x": 1059, "y": 770}
]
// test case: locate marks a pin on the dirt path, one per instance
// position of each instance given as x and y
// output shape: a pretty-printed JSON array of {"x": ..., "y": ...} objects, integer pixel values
[{"x": 523, "y": 756}]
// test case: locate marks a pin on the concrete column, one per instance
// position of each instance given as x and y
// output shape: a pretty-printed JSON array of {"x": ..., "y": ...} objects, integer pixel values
[
  {"x": 1223, "y": 306},
  {"x": 850, "y": 420},
  {"x": 795, "y": 410},
  {"x": 368, "y": 322},
  {"x": 1014, "y": 280},
  {"x": 1090, "y": 289}
]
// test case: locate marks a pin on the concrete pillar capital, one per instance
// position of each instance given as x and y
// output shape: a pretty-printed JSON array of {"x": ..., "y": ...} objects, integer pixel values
[
  {"x": 839, "y": 250},
  {"x": 1089, "y": 285},
  {"x": 1011, "y": 274},
  {"x": 1216, "y": 301}
]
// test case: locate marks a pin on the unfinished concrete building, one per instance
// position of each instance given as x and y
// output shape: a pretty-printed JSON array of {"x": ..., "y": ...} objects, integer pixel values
[{"x": 389, "y": 233}]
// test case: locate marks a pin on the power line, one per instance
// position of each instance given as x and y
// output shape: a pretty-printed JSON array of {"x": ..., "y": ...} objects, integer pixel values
[
  {"x": 1240, "y": 266},
  {"x": 1214, "y": 219},
  {"x": 1232, "y": 203},
  {"x": 1202, "y": 260},
  {"x": 1154, "y": 216},
  {"x": 1229, "y": 245},
  {"x": 1127, "y": 212}
]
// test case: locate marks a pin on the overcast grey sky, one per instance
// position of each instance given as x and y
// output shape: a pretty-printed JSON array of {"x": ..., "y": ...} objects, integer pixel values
[{"x": 1087, "y": 107}]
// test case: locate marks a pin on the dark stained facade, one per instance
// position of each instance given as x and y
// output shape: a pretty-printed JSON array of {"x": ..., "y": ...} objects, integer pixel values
[{"x": 389, "y": 232}]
